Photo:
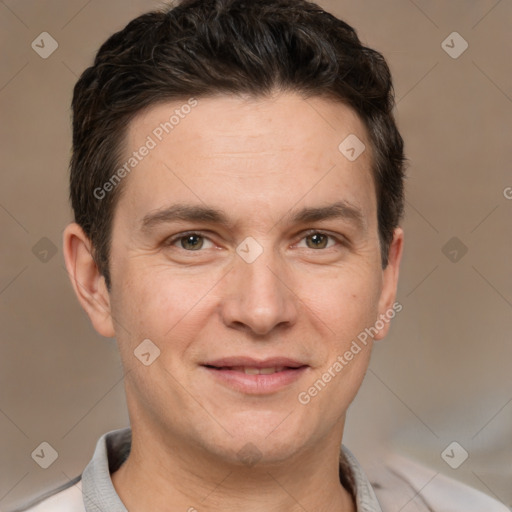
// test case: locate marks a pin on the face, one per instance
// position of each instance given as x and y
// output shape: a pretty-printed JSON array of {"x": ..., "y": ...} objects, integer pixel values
[{"x": 245, "y": 247}]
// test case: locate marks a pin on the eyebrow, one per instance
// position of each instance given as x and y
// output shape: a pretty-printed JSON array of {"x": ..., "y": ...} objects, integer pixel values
[
  {"x": 340, "y": 210},
  {"x": 185, "y": 212},
  {"x": 196, "y": 213}
]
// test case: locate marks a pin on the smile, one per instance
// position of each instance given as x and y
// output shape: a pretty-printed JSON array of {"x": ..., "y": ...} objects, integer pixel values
[
  {"x": 255, "y": 377},
  {"x": 256, "y": 371}
]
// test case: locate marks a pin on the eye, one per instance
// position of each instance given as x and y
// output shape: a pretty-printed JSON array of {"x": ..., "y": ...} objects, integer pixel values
[
  {"x": 189, "y": 241},
  {"x": 319, "y": 240}
]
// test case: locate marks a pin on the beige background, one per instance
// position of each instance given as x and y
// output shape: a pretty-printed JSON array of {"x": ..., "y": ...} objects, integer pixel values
[{"x": 443, "y": 374}]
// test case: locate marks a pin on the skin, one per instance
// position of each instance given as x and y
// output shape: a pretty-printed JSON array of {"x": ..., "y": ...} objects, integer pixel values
[{"x": 260, "y": 160}]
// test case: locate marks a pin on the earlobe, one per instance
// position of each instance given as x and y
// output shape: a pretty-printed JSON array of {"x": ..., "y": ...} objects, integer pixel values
[
  {"x": 387, "y": 306},
  {"x": 86, "y": 279}
]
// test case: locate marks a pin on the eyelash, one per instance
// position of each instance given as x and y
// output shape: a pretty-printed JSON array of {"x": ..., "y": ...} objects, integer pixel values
[{"x": 340, "y": 240}]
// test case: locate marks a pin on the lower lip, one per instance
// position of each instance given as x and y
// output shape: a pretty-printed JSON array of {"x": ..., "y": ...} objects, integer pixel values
[{"x": 257, "y": 384}]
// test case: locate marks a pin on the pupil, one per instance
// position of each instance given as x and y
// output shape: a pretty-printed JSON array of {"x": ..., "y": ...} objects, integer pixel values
[
  {"x": 318, "y": 240},
  {"x": 189, "y": 240}
]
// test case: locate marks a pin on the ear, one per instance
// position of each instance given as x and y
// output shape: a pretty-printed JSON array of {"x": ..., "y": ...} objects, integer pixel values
[
  {"x": 87, "y": 281},
  {"x": 387, "y": 306}
]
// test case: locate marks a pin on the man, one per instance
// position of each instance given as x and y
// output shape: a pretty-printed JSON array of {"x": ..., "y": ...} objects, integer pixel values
[{"x": 237, "y": 185}]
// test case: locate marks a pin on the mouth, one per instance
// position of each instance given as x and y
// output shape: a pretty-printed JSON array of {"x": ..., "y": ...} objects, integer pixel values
[
  {"x": 269, "y": 370},
  {"x": 255, "y": 377}
]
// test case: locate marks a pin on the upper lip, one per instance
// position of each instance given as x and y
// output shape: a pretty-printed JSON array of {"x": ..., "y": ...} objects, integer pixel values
[{"x": 250, "y": 362}]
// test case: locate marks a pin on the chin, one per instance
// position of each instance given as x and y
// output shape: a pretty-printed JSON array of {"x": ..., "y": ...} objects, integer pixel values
[{"x": 260, "y": 440}]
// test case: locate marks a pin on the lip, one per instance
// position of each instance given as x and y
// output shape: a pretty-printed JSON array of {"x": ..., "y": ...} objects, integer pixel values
[
  {"x": 254, "y": 362},
  {"x": 255, "y": 384}
]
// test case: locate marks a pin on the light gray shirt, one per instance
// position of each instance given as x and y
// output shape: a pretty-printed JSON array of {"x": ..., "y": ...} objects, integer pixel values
[
  {"x": 96, "y": 493},
  {"x": 398, "y": 482}
]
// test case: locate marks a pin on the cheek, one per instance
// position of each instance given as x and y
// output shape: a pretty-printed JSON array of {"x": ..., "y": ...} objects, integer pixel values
[
  {"x": 155, "y": 304},
  {"x": 347, "y": 301}
]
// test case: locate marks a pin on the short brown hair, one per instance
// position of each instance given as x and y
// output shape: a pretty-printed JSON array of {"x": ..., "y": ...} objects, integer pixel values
[{"x": 204, "y": 47}]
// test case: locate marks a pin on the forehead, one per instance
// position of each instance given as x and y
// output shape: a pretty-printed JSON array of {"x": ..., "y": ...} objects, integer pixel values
[{"x": 266, "y": 153}]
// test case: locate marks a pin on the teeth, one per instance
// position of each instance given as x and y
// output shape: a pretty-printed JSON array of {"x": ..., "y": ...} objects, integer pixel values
[
  {"x": 263, "y": 371},
  {"x": 269, "y": 371},
  {"x": 256, "y": 371}
]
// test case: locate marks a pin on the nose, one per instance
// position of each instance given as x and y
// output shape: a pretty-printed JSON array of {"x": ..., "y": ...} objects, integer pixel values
[{"x": 257, "y": 297}]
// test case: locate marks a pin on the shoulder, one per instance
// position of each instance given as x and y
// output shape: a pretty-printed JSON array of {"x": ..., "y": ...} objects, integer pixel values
[
  {"x": 63, "y": 499},
  {"x": 403, "y": 483}
]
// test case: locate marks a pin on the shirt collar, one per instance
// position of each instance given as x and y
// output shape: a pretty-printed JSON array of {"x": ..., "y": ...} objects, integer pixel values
[{"x": 113, "y": 448}]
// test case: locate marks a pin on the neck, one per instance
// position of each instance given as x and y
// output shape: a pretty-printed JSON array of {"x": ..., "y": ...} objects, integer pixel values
[{"x": 158, "y": 473}]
